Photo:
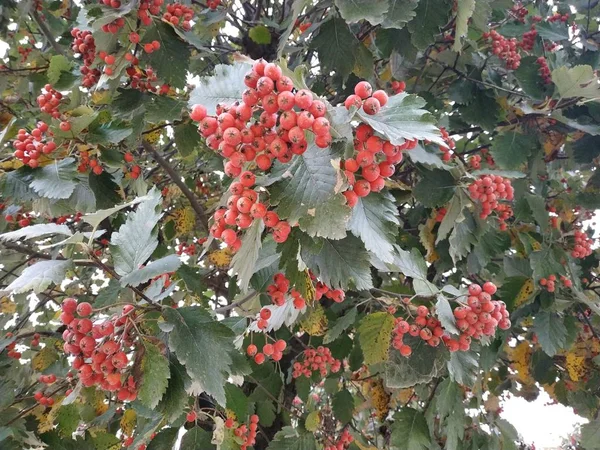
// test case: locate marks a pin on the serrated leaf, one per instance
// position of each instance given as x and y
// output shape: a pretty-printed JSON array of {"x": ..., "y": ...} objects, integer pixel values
[
  {"x": 342, "y": 406},
  {"x": 94, "y": 219},
  {"x": 266, "y": 412},
  {"x": 112, "y": 132},
  {"x": 260, "y": 34},
  {"x": 34, "y": 231},
  {"x": 421, "y": 366},
  {"x": 538, "y": 208},
  {"x": 187, "y": 138},
  {"x": 482, "y": 110},
  {"x": 44, "y": 358},
  {"x": 373, "y": 11},
  {"x": 309, "y": 182},
  {"x": 529, "y": 78},
  {"x": 449, "y": 398},
  {"x": 175, "y": 397},
  {"x": 578, "y": 81},
  {"x": 39, "y": 276},
  {"x": 327, "y": 220},
  {"x": 105, "y": 441},
  {"x": 340, "y": 325},
  {"x": 56, "y": 180},
  {"x": 290, "y": 438},
  {"x": 375, "y": 220},
  {"x": 453, "y": 213},
  {"x": 137, "y": 238},
  {"x": 165, "y": 440},
  {"x": 464, "y": 11},
  {"x": 410, "y": 431},
  {"x": 444, "y": 314},
  {"x": 171, "y": 60},
  {"x": 435, "y": 188},
  {"x": 403, "y": 118},
  {"x": 338, "y": 263},
  {"x": 544, "y": 264},
  {"x": 67, "y": 420},
  {"x": 511, "y": 150},
  {"x": 463, "y": 367},
  {"x": 430, "y": 16},
  {"x": 58, "y": 64},
  {"x": 551, "y": 331},
  {"x": 553, "y": 31},
  {"x": 203, "y": 346},
  {"x": 463, "y": 236},
  {"x": 335, "y": 45},
  {"x": 243, "y": 263},
  {"x": 128, "y": 421},
  {"x": 161, "y": 266},
  {"x": 236, "y": 401},
  {"x": 400, "y": 12},
  {"x": 155, "y": 376},
  {"x": 197, "y": 439},
  {"x": 225, "y": 86},
  {"x": 590, "y": 435},
  {"x": 375, "y": 335},
  {"x": 420, "y": 155},
  {"x": 413, "y": 265}
]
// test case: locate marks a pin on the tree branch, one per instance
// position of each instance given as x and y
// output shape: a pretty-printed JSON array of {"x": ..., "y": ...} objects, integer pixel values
[
  {"x": 176, "y": 178},
  {"x": 47, "y": 33},
  {"x": 240, "y": 302}
]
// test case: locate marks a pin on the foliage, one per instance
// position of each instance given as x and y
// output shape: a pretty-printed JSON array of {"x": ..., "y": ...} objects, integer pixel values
[{"x": 196, "y": 244}]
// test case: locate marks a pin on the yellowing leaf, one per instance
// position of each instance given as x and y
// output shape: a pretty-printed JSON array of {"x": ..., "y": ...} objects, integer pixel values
[
  {"x": 6, "y": 306},
  {"x": 428, "y": 240},
  {"x": 185, "y": 220},
  {"x": 221, "y": 258},
  {"x": 380, "y": 399},
  {"x": 101, "y": 97},
  {"x": 154, "y": 136},
  {"x": 44, "y": 358},
  {"x": 525, "y": 292},
  {"x": 48, "y": 423},
  {"x": 308, "y": 288},
  {"x": 575, "y": 366},
  {"x": 549, "y": 388},
  {"x": 375, "y": 334},
  {"x": 315, "y": 323},
  {"x": 11, "y": 164},
  {"x": 553, "y": 141},
  {"x": 313, "y": 420},
  {"x": 128, "y": 422},
  {"x": 521, "y": 357}
]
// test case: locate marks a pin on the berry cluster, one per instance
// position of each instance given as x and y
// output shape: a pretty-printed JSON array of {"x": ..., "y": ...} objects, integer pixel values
[
  {"x": 583, "y": 245},
  {"x": 49, "y": 101},
  {"x": 246, "y": 433},
  {"x": 150, "y": 47},
  {"x": 343, "y": 441},
  {"x": 398, "y": 86},
  {"x": 425, "y": 326},
  {"x": 147, "y": 8},
  {"x": 505, "y": 49},
  {"x": 101, "y": 349},
  {"x": 544, "y": 70},
  {"x": 24, "y": 52},
  {"x": 12, "y": 353},
  {"x": 274, "y": 351},
  {"x": 557, "y": 17},
  {"x": 519, "y": 12},
  {"x": 186, "y": 249},
  {"x": 179, "y": 14},
  {"x": 213, "y": 4},
  {"x": 30, "y": 146},
  {"x": 550, "y": 283},
  {"x": 488, "y": 190},
  {"x": 371, "y": 102},
  {"x": 42, "y": 399},
  {"x": 23, "y": 220},
  {"x": 529, "y": 39},
  {"x": 448, "y": 148},
  {"x": 84, "y": 44},
  {"x": 375, "y": 158},
  {"x": 36, "y": 340},
  {"x": 133, "y": 170},
  {"x": 86, "y": 162},
  {"x": 475, "y": 162},
  {"x": 47, "y": 379},
  {"x": 318, "y": 359}
]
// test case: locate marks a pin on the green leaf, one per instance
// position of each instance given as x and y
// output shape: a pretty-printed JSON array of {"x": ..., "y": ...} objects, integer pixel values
[
  {"x": 538, "y": 208},
  {"x": 399, "y": 13},
  {"x": 112, "y": 132},
  {"x": 481, "y": 15},
  {"x": 511, "y": 150},
  {"x": 37, "y": 230},
  {"x": 590, "y": 435},
  {"x": 175, "y": 398},
  {"x": 410, "y": 431},
  {"x": 375, "y": 335},
  {"x": 161, "y": 266},
  {"x": 336, "y": 45},
  {"x": 243, "y": 262},
  {"x": 225, "y": 86},
  {"x": 192, "y": 279},
  {"x": 463, "y": 236},
  {"x": 551, "y": 331},
  {"x": 553, "y": 31},
  {"x": 165, "y": 440},
  {"x": 236, "y": 401},
  {"x": 67, "y": 420},
  {"x": 375, "y": 220},
  {"x": 260, "y": 34},
  {"x": 424, "y": 364},
  {"x": 453, "y": 213},
  {"x": 338, "y": 263},
  {"x": 197, "y": 439},
  {"x": 327, "y": 220},
  {"x": 403, "y": 118},
  {"x": 373, "y": 11},
  {"x": 343, "y": 406},
  {"x": 448, "y": 398},
  {"x": 435, "y": 188},
  {"x": 187, "y": 138},
  {"x": 464, "y": 11},
  {"x": 155, "y": 376},
  {"x": 39, "y": 276},
  {"x": 544, "y": 264},
  {"x": 420, "y": 155},
  {"x": 203, "y": 346},
  {"x": 462, "y": 91},
  {"x": 296, "y": 9},
  {"x": 309, "y": 182},
  {"x": 58, "y": 65},
  {"x": 55, "y": 180},
  {"x": 412, "y": 264},
  {"x": 105, "y": 441},
  {"x": 293, "y": 438},
  {"x": 445, "y": 315},
  {"x": 586, "y": 149},
  {"x": 482, "y": 110},
  {"x": 171, "y": 60},
  {"x": 529, "y": 79},
  {"x": 266, "y": 412},
  {"x": 578, "y": 81},
  {"x": 431, "y": 15},
  {"x": 137, "y": 238},
  {"x": 343, "y": 323},
  {"x": 463, "y": 367}
]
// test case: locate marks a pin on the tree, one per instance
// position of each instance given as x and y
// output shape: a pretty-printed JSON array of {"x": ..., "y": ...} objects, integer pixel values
[{"x": 296, "y": 224}]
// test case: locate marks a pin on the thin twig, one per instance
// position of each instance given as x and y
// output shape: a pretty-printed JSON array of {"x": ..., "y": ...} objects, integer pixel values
[
  {"x": 47, "y": 33},
  {"x": 240, "y": 302}
]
